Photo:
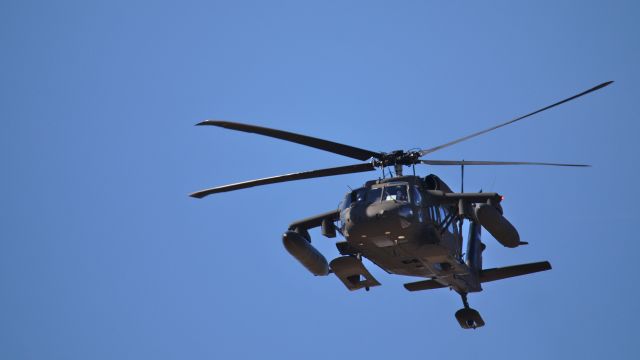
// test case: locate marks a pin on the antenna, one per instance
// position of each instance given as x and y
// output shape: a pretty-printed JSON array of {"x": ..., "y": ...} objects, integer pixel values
[{"x": 462, "y": 176}]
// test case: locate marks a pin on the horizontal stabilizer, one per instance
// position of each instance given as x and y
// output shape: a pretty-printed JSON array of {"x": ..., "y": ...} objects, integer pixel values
[
  {"x": 423, "y": 285},
  {"x": 511, "y": 271},
  {"x": 486, "y": 275}
]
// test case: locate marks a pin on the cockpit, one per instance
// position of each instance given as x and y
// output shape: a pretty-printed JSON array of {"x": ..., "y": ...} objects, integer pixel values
[
  {"x": 397, "y": 192},
  {"x": 392, "y": 192}
]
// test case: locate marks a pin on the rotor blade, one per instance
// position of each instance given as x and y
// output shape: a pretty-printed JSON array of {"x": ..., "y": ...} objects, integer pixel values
[
  {"x": 288, "y": 177},
  {"x": 334, "y": 147},
  {"x": 468, "y": 162},
  {"x": 427, "y": 151}
]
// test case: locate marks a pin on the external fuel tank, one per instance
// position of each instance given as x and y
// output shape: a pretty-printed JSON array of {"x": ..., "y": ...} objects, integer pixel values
[
  {"x": 497, "y": 225},
  {"x": 301, "y": 249}
]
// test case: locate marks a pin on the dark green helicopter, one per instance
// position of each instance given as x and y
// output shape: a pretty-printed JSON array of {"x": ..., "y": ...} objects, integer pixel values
[{"x": 407, "y": 225}]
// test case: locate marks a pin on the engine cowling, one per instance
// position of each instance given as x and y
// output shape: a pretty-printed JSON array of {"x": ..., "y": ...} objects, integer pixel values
[
  {"x": 432, "y": 182},
  {"x": 301, "y": 249},
  {"x": 497, "y": 225}
]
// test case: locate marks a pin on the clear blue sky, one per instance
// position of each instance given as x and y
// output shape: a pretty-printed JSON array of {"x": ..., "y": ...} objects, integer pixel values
[{"x": 103, "y": 255}]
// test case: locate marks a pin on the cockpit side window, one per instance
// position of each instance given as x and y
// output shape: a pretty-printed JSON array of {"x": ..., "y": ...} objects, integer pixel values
[
  {"x": 416, "y": 196},
  {"x": 353, "y": 197},
  {"x": 346, "y": 202}
]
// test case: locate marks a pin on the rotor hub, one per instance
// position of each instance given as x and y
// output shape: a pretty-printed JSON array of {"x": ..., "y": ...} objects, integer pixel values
[{"x": 397, "y": 158}]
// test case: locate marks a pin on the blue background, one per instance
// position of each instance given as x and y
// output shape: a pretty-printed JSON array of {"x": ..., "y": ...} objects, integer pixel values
[{"x": 103, "y": 255}]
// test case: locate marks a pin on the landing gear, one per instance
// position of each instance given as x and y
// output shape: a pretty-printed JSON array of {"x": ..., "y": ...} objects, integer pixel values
[{"x": 468, "y": 318}]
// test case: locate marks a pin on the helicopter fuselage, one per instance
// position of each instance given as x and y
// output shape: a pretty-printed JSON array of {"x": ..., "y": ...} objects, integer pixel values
[{"x": 398, "y": 226}]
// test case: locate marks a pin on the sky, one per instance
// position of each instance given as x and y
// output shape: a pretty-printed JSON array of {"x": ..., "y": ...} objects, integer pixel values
[{"x": 104, "y": 256}]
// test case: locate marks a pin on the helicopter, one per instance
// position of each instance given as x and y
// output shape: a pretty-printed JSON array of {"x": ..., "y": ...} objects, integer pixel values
[{"x": 405, "y": 224}]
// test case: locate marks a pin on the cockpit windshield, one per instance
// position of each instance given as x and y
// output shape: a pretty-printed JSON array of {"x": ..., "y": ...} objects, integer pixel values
[
  {"x": 388, "y": 193},
  {"x": 395, "y": 192},
  {"x": 391, "y": 192}
]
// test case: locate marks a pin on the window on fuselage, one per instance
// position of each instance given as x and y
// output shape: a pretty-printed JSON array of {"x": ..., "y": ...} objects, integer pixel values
[
  {"x": 452, "y": 224},
  {"x": 388, "y": 193},
  {"x": 373, "y": 195},
  {"x": 395, "y": 192},
  {"x": 353, "y": 197},
  {"x": 438, "y": 215},
  {"x": 434, "y": 214},
  {"x": 416, "y": 196},
  {"x": 443, "y": 213},
  {"x": 346, "y": 202}
]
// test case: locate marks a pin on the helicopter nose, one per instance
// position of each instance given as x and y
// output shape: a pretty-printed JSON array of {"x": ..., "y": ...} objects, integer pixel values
[
  {"x": 383, "y": 209},
  {"x": 378, "y": 219}
]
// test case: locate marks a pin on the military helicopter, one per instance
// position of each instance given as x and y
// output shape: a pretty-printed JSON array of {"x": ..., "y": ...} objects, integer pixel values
[{"x": 406, "y": 225}]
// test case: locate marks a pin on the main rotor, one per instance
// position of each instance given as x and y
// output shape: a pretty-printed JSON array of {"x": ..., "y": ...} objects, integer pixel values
[{"x": 376, "y": 160}]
